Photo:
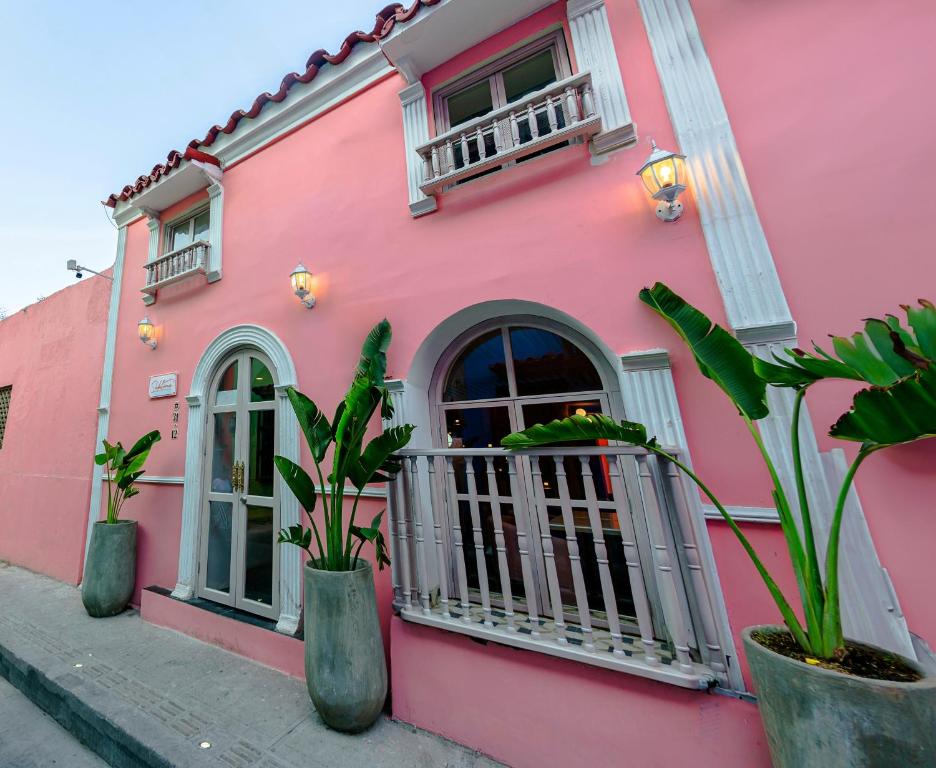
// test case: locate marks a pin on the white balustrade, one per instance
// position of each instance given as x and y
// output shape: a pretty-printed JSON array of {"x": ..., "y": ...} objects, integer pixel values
[
  {"x": 555, "y": 550},
  {"x": 175, "y": 266},
  {"x": 560, "y": 112}
]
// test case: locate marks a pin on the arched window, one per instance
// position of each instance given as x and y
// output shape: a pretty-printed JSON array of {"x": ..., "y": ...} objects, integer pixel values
[{"x": 509, "y": 375}]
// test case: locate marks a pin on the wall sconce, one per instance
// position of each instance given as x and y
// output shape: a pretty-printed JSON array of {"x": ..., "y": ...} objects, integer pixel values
[
  {"x": 301, "y": 280},
  {"x": 664, "y": 176},
  {"x": 147, "y": 332}
]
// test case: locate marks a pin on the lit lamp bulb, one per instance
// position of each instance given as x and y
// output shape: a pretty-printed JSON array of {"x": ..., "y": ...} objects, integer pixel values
[
  {"x": 664, "y": 176},
  {"x": 147, "y": 332},
  {"x": 301, "y": 280}
]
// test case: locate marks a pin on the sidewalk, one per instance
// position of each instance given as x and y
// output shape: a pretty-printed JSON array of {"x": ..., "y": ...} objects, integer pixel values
[{"x": 140, "y": 695}]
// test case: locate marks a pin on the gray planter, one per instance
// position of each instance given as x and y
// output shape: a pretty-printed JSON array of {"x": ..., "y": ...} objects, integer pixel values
[
  {"x": 346, "y": 672},
  {"x": 819, "y": 717},
  {"x": 110, "y": 572}
]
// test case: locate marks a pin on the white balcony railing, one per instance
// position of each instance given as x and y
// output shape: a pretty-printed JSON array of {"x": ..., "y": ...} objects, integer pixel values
[
  {"x": 584, "y": 553},
  {"x": 560, "y": 112},
  {"x": 177, "y": 265}
]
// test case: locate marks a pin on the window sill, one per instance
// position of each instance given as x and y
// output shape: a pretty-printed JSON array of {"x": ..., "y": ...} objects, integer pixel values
[{"x": 175, "y": 267}]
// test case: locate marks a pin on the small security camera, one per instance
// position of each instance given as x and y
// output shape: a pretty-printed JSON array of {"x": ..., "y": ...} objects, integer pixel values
[{"x": 78, "y": 275}]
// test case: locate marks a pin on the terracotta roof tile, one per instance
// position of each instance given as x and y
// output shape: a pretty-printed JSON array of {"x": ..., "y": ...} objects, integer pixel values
[{"x": 386, "y": 20}]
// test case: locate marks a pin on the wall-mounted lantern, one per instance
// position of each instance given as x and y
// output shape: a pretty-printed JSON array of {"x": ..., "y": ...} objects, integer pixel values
[
  {"x": 664, "y": 176},
  {"x": 147, "y": 332},
  {"x": 301, "y": 280}
]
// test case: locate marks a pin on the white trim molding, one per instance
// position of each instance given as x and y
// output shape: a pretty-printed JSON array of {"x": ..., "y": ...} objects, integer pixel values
[
  {"x": 152, "y": 253},
  {"x": 415, "y": 133},
  {"x": 595, "y": 52},
  {"x": 107, "y": 380},
  {"x": 755, "y": 303},
  {"x": 649, "y": 395},
  {"x": 740, "y": 255},
  {"x": 287, "y": 444},
  {"x": 215, "y": 227}
]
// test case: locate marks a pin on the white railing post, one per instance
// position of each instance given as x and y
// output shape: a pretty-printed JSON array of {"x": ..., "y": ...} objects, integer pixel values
[
  {"x": 455, "y": 518},
  {"x": 437, "y": 502},
  {"x": 500, "y": 544},
  {"x": 549, "y": 555},
  {"x": 422, "y": 579}
]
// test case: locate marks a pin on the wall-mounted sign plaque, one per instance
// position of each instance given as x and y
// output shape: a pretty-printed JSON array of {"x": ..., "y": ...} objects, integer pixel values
[{"x": 163, "y": 385}]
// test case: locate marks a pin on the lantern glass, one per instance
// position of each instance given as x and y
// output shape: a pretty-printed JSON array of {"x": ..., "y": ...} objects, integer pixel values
[
  {"x": 664, "y": 176},
  {"x": 301, "y": 281},
  {"x": 145, "y": 329}
]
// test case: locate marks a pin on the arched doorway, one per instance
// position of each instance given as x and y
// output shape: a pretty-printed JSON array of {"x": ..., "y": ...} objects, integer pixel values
[{"x": 240, "y": 516}]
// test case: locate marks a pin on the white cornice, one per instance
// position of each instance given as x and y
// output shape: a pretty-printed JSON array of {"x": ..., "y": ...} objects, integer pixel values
[{"x": 645, "y": 360}]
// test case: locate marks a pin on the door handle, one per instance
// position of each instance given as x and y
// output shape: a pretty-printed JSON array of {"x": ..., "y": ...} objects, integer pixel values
[{"x": 237, "y": 476}]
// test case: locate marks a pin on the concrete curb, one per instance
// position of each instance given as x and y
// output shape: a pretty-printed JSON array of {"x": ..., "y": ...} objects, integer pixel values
[{"x": 91, "y": 716}]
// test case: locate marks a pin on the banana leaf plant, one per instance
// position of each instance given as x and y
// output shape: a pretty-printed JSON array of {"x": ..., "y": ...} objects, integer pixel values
[
  {"x": 351, "y": 461},
  {"x": 898, "y": 405},
  {"x": 122, "y": 468}
]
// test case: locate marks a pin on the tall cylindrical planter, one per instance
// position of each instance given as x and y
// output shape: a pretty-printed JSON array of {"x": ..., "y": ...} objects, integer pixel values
[
  {"x": 816, "y": 716},
  {"x": 346, "y": 671},
  {"x": 110, "y": 571}
]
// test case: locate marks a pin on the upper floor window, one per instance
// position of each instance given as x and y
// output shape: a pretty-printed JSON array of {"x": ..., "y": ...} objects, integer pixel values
[
  {"x": 5, "y": 393},
  {"x": 190, "y": 230},
  {"x": 520, "y": 106}
]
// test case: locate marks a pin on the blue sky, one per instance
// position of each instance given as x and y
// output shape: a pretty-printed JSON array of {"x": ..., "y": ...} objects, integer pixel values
[{"x": 93, "y": 94}]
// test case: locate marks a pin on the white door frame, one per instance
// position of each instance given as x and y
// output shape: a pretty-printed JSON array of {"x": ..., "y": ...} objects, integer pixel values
[{"x": 287, "y": 444}]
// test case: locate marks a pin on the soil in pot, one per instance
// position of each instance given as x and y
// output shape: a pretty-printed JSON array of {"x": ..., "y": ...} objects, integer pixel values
[{"x": 858, "y": 660}]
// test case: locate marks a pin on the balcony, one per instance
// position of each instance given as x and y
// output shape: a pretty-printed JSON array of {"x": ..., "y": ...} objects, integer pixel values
[
  {"x": 558, "y": 113},
  {"x": 176, "y": 266},
  {"x": 589, "y": 554}
]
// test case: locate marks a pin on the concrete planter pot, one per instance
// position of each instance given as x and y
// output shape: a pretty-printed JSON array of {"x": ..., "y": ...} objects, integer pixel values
[
  {"x": 346, "y": 671},
  {"x": 110, "y": 572},
  {"x": 816, "y": 716}
]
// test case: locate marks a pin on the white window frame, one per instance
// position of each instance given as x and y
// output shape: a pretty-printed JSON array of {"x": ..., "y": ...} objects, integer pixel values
[{"x": 187, "y": 217}]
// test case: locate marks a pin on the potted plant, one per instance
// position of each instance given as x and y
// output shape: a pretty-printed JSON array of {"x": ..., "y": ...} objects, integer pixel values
[
  {"x": 825, "y": 700},
  {"x": 110, "y": 571},
  {"x": 346, "y": 672}
]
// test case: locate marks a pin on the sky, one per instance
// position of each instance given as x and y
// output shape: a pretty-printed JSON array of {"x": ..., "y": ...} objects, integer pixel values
[{"x": 94, "y": 94}]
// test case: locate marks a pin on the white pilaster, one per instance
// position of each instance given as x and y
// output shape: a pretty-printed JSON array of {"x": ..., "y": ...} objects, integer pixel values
[
  {"x": 290, "y": 563},
  {"x": 396, "y": 387},
  {"x": 649, "y": 396},
  {"x": 415, "y": 133},
  {"x": 754, "y": 300},
  {"x": 107, "y": 379},
  {"x": 215, "y": 227},
  {"x": 595, "y": 52},
  {"x": 152, "y": 253}
]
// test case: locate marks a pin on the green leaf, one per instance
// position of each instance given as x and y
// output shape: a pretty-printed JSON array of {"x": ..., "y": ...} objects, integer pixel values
[
  {"x": 922, "y": 320},
  {"x": 298, "y": 481},
  {"x": 373, "y": 363},
  {"x": 313, "y": 422},
  {"x": 378, "y": 456},
  {"x": 125, "y": 481},
  {"x": 579, "y": 428},
  {"x": 144, "y": 444},
  {"x": 373, "y": 533},
  {"x": 719, "y": 355},
  {"x": 100, "y": 459},
  {"x": 295, "y": 534},
  {"x": 901, "y": 413}
]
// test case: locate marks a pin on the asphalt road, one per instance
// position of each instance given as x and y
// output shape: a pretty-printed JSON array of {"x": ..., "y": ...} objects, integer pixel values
[{"x": 29, "y": 738}]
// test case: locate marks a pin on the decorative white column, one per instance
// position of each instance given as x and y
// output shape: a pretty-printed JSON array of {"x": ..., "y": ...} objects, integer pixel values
[
  {"x": 415, "y": 133},
  {"x": 595, "y": 52},
  {"x": 747, "y": 278},
  {"x": 290, "y": 564},
  {"x": 396, "y": 387},
  {"x": 649, "y": 396},
  {"x": 107, "y": 379},
  {"x": 215, "y": 222},
  {"x": 152, "y": 224},
  {"x": 191, "y": 497}
]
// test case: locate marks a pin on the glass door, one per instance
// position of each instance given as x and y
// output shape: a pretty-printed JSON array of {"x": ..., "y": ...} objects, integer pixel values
[{"x": 238, "y": 556}]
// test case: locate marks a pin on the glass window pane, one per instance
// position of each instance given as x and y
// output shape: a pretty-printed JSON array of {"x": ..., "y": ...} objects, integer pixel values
[
  {"x": 222, "y": 458},
  {"x": 260, "y": 473},
  {"x": 480, "y": 371},
  {"x": 227, "y": 386},
  {"x": 261, "y": 382},
  {"x": 181, "y": 235},
  {"x": 545, "y": 363},
  {"x": 218, "y": 573},
  {"x": 472, "y": 102},
  {"x": 258, "y": 555},
  {"x": 201, "y": 226},
  {"x": 529, "y": 75},
  {"x": 479, "y": 428}
]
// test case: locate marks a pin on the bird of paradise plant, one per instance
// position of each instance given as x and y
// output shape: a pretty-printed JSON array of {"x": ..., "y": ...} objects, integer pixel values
[
  {"x": 350, "y": 461},
  {"x": 898, "y": 406}
]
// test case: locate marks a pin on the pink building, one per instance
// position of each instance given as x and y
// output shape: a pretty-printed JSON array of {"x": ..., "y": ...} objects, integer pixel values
[{"x": 467, "y": 170}]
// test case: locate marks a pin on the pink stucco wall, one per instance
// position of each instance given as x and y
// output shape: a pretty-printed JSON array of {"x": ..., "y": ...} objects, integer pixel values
[
  {"x": 51, "y": 353},
  {"x": 825, "y": 102},
  {"x": 581, "y": 239}
]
